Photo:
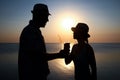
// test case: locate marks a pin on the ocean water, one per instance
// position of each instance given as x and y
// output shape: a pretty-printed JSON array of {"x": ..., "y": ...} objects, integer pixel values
[{"x": 107, "y": 59}]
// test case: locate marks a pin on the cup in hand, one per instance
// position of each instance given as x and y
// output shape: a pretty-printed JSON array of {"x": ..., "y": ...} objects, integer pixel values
[{"x": 67, "y": 48}]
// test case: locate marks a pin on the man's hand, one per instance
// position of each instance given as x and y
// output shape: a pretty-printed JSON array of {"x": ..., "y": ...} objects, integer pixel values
[{"x": 63, "y": 53}]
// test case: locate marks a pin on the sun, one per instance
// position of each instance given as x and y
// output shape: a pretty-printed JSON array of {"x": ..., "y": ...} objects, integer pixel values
[{"x": 68, "y": 22}]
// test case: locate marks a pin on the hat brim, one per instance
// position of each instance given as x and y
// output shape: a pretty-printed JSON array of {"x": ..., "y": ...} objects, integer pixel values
[
  {"x": 40, "y": 12},
  {"x": 73, "y": 29}
]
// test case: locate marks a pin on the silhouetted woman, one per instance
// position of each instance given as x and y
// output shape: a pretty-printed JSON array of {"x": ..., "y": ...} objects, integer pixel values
[{"x": 82, "y": 54}]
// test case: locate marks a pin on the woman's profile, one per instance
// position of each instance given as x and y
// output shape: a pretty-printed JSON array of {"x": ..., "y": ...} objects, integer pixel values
[{"x": 82, "y": 54}]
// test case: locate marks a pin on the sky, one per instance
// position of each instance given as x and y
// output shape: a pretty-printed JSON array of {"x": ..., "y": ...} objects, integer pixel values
[{"x": 102, "y": 17}]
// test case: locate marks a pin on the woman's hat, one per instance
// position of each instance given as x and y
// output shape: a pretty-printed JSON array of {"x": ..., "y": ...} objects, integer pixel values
[{"x": 81, "y": 28}]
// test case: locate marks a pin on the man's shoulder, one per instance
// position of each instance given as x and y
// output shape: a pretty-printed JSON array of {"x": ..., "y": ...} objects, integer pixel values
[
  {"x": 29, "y": 28},
  {"x": 27, "y": 31}
]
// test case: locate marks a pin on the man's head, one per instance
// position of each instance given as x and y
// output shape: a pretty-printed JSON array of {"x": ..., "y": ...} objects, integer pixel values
[
  {"x": 40, "y": 14},
  {"x": 41, "y": 9}
]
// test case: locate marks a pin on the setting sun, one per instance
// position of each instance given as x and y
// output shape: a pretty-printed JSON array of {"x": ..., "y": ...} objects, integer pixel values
[{"x": 68, "y": 22}]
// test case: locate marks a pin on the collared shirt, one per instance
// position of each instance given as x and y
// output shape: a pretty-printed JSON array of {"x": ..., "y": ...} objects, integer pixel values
[{"x": 32, "y": 52}]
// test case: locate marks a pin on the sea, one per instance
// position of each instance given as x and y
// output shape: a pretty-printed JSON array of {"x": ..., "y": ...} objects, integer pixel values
[{"x": 107, "y": 59}]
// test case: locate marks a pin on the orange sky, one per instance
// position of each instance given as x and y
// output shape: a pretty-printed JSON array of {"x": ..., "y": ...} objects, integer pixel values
[{"x": 102, "y": 19}]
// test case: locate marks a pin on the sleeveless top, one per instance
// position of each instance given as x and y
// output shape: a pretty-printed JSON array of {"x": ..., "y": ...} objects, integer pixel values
[{"x": 81, "y": 60}]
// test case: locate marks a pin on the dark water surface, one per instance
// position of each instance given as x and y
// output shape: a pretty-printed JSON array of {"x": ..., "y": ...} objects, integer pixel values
[{"x": 107, "y": 58}]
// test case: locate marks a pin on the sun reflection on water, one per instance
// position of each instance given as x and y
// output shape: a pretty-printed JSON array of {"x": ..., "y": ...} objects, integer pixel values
[{"x": 69, "y": 66}]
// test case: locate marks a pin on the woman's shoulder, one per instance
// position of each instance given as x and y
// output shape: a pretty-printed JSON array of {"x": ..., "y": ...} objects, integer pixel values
[
  {"x": 75, "y": 45},
  {"x": 74, "y": 48},
  {"x": 88, "y": 46}
]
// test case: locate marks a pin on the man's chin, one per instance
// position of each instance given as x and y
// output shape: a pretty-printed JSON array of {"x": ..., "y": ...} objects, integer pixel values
[{"x": 42, "y": 26}]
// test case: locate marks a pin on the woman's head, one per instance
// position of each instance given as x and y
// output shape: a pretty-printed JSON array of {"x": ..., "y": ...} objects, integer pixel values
[{"x": 81, "y": 31}]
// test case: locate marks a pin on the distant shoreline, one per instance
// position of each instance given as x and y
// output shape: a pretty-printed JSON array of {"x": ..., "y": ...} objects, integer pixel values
[{"x": 59, "y": 43}]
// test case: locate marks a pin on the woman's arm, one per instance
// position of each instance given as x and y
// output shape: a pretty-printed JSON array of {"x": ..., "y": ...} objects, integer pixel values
[
  {"x": 70, "y": 56},
  {"x": 68, "y": 59}
]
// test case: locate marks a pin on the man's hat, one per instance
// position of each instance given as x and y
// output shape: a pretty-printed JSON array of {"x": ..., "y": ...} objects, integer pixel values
[{"x": 40, "y": 8}]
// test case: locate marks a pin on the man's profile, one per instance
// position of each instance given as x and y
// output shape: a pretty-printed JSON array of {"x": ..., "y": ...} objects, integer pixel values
[{"x": 33, "y": 59}]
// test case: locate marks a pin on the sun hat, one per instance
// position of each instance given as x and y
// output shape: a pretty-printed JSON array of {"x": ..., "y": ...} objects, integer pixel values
[
  {"x": 40, "y": 8},
  {"x": 81, "y": 28}
]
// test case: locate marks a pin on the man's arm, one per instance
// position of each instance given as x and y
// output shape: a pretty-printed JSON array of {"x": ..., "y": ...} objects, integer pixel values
[{"x": 51, "y": 56}]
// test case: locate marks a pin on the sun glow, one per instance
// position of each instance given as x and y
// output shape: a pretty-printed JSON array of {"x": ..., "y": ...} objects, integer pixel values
[
  {"x": 68, "y": 22},
  {"x": 70, "y": 66}
]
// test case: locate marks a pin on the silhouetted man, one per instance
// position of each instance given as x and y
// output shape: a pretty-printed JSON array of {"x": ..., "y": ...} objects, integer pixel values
[{"x": 32, "y": 62}]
